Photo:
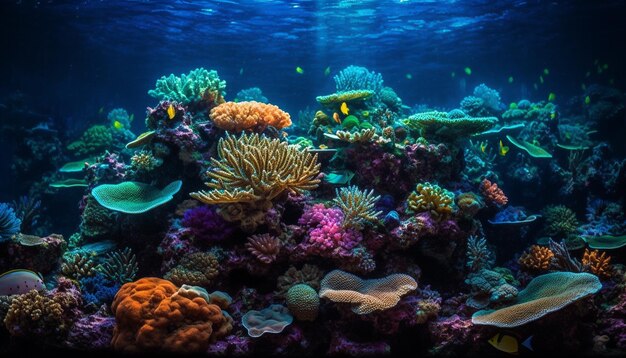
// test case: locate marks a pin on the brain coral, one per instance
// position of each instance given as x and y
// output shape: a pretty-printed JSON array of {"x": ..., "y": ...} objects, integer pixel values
[
  {"x": 153, "y": 314},
  {"x": 249, "y": 116},
  {"x": 303, "y": 302},
  {"x": 366, "y": 295},
  {"x": 544, "y": 294}
]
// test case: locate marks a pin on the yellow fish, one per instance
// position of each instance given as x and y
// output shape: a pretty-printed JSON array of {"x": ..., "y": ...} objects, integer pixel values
[
  {"x": 327, "y": 71},
  {"x": 468, "y": 71},
  {"x": 553, "y": 115},
  {"x": 171, "y": 111},
  {"x": 344, "y": 108},
  {"x": 587, "y": 100},
  {"x": 323, "y": 146},
  {"x": 365, "y": 114},
  {"x": 503, "y": 149},
  {"x": 483, "y": 146},
  {"x": 118, "y": 125},
  {"x": 504, "y": 343},
  {"x": 299, "y": 70},
  {"x": 551, "y": 97},
  {"x": 336, "y": 118}
]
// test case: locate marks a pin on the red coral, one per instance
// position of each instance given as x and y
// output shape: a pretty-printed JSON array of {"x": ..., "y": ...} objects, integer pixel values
[{"x": 493, "y": 195}]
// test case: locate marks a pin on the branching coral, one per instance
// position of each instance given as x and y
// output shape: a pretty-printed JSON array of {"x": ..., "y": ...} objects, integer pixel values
[
  {"x": 431, "y": 197},
  {"x": 560, "y": 221},
  {"x": 357, "y": 206},
  {"x": 249, "y": 116},
  {"x": 478, "y": 254},
  {"x": 537, "y": 258},
  {"x": 562, "y": 260},
  {"x": 77, "y": 266},
  {"x": 492, "y": 194},
  {"x": 264, "y": 247},
  {"x": 9, "y": 223},
  {"x": 120, "y": 266},
  {"x": 596, "y": 263},
  {"x": 198, "y": 269}
]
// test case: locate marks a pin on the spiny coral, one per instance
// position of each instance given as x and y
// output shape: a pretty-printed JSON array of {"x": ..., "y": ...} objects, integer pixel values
[
  {"x": 9, "y": 223},
  {"x": 492, "y": 194},
  {"x": 198, "y": 269},
  {"x": 264, "y": 247},
  {"x": 153, "y": 314},
  {"x": 303, "y": 302},
  {"x": 196, "y": 86},
  {"x": 596, "y": 263},
  {"x": 309, "y": 275},
  {"x": 77, "y": 266},
  {"x": 366, "y": 296},
  {"x": 357, "y": 206},
  {"x": 249, "y": 116},
  {"x": 560, "y": 221},
  {"x": 478, "y": 254},
  {"x": 431, "y": 197},
  {"x": 537, "y": 258},
  {"x": 120, "y": 266}
]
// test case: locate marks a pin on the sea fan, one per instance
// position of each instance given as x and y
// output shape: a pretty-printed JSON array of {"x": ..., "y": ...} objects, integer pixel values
[{"x": 9, "y": 223}]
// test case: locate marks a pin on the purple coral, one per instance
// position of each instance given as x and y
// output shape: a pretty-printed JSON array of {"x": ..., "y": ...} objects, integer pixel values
[
  {"x": 206, "y": 225},
  {"x": 327, "y": 237},
  {"x": 91, "y": 332}
]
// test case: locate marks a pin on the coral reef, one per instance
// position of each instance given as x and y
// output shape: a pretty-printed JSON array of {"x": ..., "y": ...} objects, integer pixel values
[{"x": 431, "y": 198}]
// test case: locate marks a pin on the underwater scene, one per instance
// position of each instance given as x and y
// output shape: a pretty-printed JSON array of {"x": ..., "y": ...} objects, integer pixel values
[{"x": 313, "y": 177}]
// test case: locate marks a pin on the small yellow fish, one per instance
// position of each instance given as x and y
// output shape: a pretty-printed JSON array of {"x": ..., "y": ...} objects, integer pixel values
[
  {"x": 587, "y": 100},
  {"x": 409, "y": 76},
  {"x": 118, "y": 125},
  {"x": 299, "y": 70},
  {"x": 171, "y": 111},
  {"x": 344, "y": 108},
  {"x": 327, "y": 71},
  {"x": 541, "y": 79},
  {"x": 323, "y": 146},
  {"x": 483, "y": 146},
  {"x": 453, "y": 74},
  {"x": 551, "y": 97},
  {"x": 510, "y": 79},
  {"x": 365, "y": 114},
  {"x": 553, "y": 115},
  {"x": 468, "y": 71},
  {"x": 505, "y": 343},
  {"x": 336, "y": 118},
  {"x": 503, "y": 149},
  {"x": 546, "y": 71}
]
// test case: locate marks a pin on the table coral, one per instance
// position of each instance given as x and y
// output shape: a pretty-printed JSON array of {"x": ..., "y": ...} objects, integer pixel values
[
  {"x": 153, "y": 314},
  {"x": 249, "y": 116}
]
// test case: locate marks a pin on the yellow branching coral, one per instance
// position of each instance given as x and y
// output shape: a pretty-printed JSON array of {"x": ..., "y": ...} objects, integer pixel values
[
  {"x": 357, "y": 205},
  {"x": 362, "y": 136},
  {"x": 254, "y": 168},
  {"x": 431, "y": 197},
  {"x": 596, "y": 263},
  {"x": 537, "y": 258}
]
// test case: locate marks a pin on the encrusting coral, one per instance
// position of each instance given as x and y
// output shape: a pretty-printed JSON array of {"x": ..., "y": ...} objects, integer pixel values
[
  {"x": 249, "y": 116},
  {"x": 432, "y": 198}
]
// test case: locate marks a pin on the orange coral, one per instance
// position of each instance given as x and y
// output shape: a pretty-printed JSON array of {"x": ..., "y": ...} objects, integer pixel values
[
  {"x": 538, "y": 258},
  {"x": 493, "y": 194},
  {"x": 249, "y": 116},
  {"x": 596, "y": 263},
  {"x": 153, "y": 314}
]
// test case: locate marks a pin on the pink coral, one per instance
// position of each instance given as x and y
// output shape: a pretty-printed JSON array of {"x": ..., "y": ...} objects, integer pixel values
[{"x": 327, "y": 236}]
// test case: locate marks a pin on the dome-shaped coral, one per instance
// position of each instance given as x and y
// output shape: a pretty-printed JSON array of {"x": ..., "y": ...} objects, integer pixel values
[{"x": 303, "y": 302}]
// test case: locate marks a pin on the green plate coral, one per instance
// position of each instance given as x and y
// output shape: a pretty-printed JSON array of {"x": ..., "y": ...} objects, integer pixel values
[
  {"x": 605, "y": 242},
  {"x": 533, "y": 150},
  {"x": 133, "y": 197}
]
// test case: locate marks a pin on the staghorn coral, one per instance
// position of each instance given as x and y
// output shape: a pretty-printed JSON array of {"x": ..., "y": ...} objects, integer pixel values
[
  {"x": 303, "y": 302},
  {"x": 9, "y": 223},
  {"x": 492, "y": 194},
  {"x": 432, "y": 198},
  {"x": 362, "y": 136},
  {"x": 596, "y": 263},
  {"x": 537, "y": 258},
  {"x": 264, "y": 247},
  {"x": 357, "y": 206},
  {"x": 366, "y": 296},
  {"x": 197, "y": 269},
  {"x": 478, "y": 254},
  {"x": 152, "y": 314},
  {"x": 120, "y": 266},
  {"x": 77, "y": 266},
  {"x": 560, "y": 221},
  {"x": 249, "y": 116},
  {"x": 309, "y": 275}
]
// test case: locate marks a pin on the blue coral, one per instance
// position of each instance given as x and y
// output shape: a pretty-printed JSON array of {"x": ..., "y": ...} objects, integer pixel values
[
  {"x": 98, "y": 289},
  {"x": 9, "y": 222},
  {"x": 354, "y": 78}
]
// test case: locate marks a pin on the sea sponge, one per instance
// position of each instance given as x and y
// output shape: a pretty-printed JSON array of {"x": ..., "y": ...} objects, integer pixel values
[
  {"x": 272, "y": 319},
  {"x": 366, "y": 296},
  {"x": 538, "y": 258},
  {"x": 197, "y": 269},
  {"x": 249, "y": 116},
  {"x": 153, "y": 314},
  {"x": 303, "y": 302},
  {"x": 560, "y": 221},
  {"x": 544, "y": 294},
  {"x": 431, "y": 197},
  {"x": 264, "y": 247},
  {"x": 492, "y": 194},
  {"x": 596, "y": 263}
]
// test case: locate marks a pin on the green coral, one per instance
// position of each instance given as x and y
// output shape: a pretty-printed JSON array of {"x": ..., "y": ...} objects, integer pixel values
[
  {"x": 344, "y": 96},
  {"x": 433, "y": 198},
  {"x": 93, "y": 141},
  {"x": 188, "y": 88},
  {"x": 303, "y": 302},
  {"x": 442, "y": 125},
  {"x": 350, "y": 122},
  {"x": 133, "y": 197},
  {"x": 560, "y": 221}
]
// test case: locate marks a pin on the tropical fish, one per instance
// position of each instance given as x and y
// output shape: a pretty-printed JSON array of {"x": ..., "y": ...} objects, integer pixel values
[
  {"x": 553, "y": 115},
  {"x": 551, "y": 96},
  {"x": 132, "y": 117},
  {"x": 327, "y": 71},
  {"x": 568, "y": 135},
  {"x": 468, "y": 71},
  {"x": 505, "y": 343},
  {"x": 535, "y": 86},
  {"x": 510, "y": 79},
  {"x": 101, "y": 110},
  {"x": 323, "y": 146},
  {"x": 541, "y": 79},
  {"x": 503, "y": 149},
  {"x": 587, "y": 100},
  {"x": 409, "y": 76},
  {"x": 344, "y": 108},
  {"x": 118, "y": 125},
  {"x": 588, "y": 74},
  {"x": 453, "y": 74},
  {"x": 336, "y": 118},
  {"x": 546, "y": 71},
  {"x": 299, "y": 70},
  {"x": 171, "y": 111},
  {"x": 17, "y": 282},
  {"x": 483, "y": 146},
  {"x": 583, "y": 86}
]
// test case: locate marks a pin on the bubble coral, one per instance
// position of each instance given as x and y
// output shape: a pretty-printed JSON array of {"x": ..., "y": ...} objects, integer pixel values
[
  {"x": 249, "y": 116},
  {"x": 432, "y": 198},
  {"x": 537, "y": 258},
  {"x": 264, "y": 247},
  {"x": 366, "y": 296},
  {"x": 303, "y": 302},
  {"x": 560, "y": 221},
  {"x": 596, "y": 263},
  {"x": 198, "y": 269},
  {"x": 492, "y": 194},
  {"x": 153, "y": 314}
]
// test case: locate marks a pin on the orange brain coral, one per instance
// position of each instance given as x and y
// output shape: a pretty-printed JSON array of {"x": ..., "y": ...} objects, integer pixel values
[
  {"x": 249, "y": 116},
  {"x": 153, "y": 314}
]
